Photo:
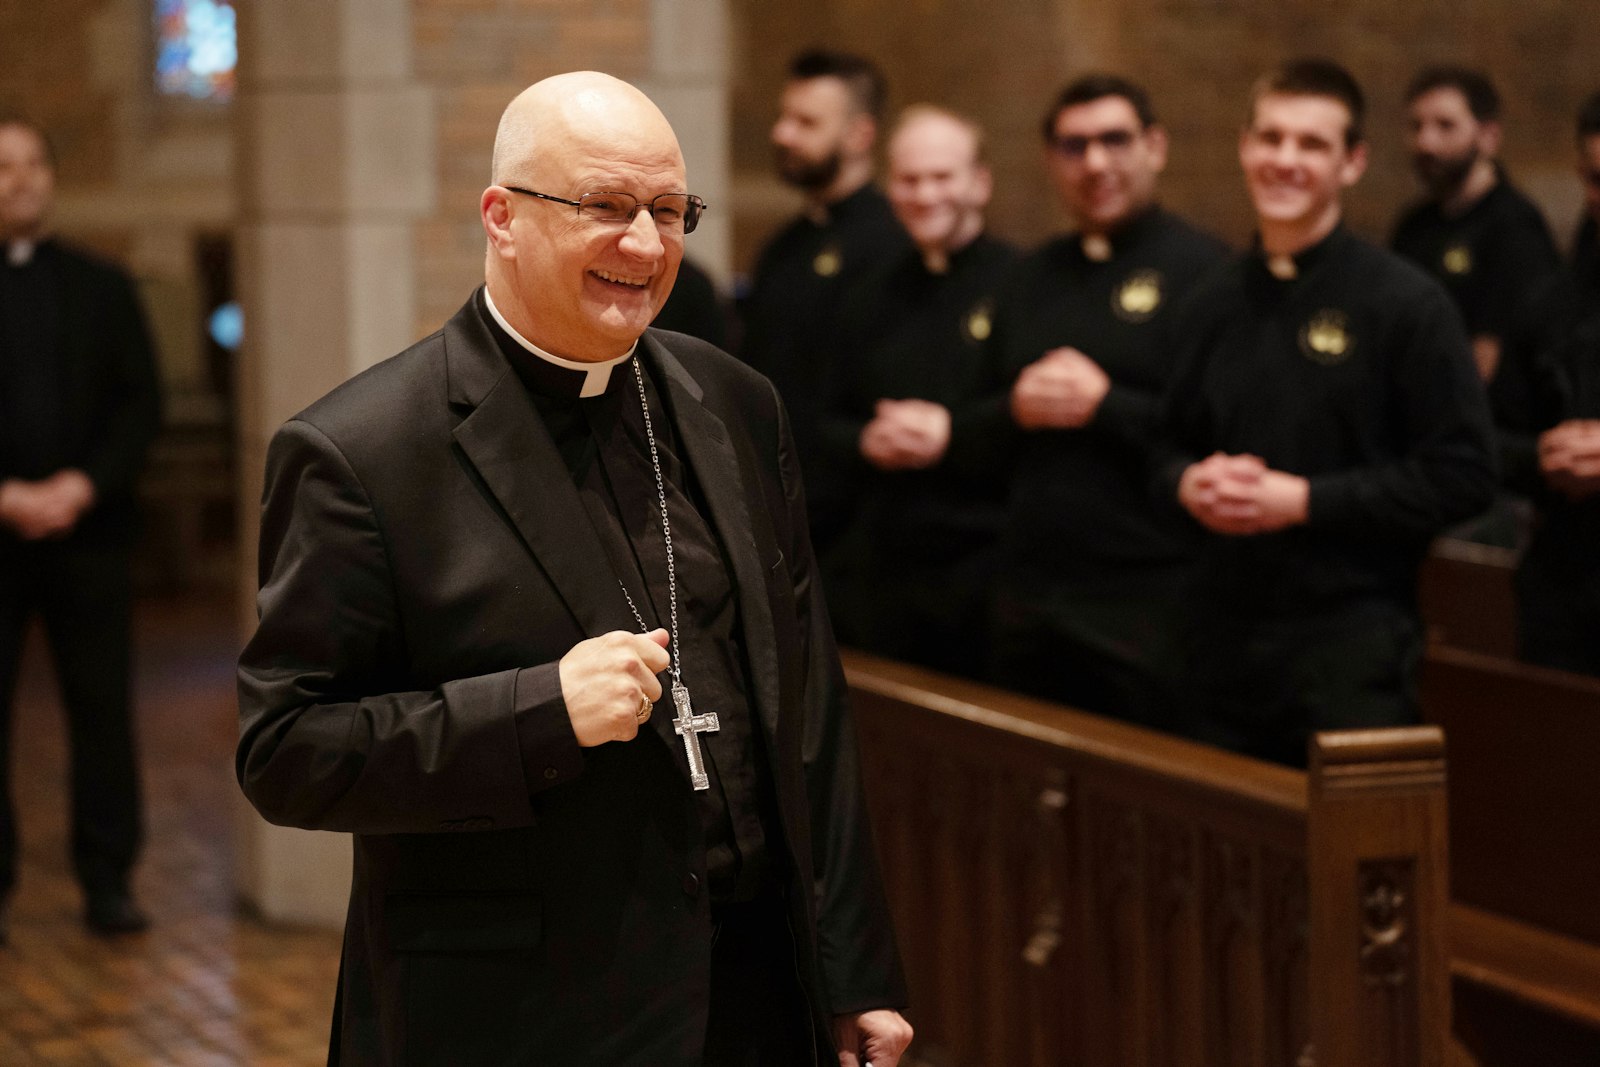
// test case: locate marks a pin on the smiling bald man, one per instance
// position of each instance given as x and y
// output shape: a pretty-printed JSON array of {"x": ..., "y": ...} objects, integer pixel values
[{"x": 539, "y": 626}]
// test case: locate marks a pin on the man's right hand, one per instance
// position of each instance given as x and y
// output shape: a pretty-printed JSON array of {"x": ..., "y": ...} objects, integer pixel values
[{"x": 603, "y": 679}]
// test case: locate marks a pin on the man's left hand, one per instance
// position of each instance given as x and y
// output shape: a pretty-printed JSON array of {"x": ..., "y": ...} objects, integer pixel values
[{"x": 877, "y": 1037}]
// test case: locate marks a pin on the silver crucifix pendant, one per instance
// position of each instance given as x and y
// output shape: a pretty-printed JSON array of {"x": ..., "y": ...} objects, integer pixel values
[{"x": 690, "y": 726}]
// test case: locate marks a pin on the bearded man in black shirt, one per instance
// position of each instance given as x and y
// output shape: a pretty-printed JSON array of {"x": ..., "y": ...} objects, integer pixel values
[
  {"x": 1326, "y": 423},
  {"x": 824, "y": 138},
  {"x": 1089, "y": 567},
  {"x": 1484, "y": 241}
]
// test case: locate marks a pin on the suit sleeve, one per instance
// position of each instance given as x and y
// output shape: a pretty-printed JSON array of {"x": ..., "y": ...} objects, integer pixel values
[
  {"x": 860, "y": 961},
  {"x": 326, "y": 741}
]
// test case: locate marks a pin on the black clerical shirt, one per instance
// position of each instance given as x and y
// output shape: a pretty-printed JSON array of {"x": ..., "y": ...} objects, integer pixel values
[
  {"x": 912, "y": 333},
  {"x": 604, "y": 443},
  {"x": 33, "y": 385},
  {"x": 1488, "y": 258},
  {"x": 1080, "y": 513},
  {"x": 791, "y": 324},
  {"x": 1355, "y": 374}
]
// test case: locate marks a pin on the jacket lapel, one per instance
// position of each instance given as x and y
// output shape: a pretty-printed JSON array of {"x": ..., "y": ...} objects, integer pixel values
[
  {"x": 506, "y": 442},
  {"x": 711, "y": 454}
]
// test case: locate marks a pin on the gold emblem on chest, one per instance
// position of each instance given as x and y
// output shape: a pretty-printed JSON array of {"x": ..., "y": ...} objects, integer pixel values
[
  {"x": 1138, "y": 297},
  {"x": 1457, "y": 260},
  {"x": 828, "y": 261},
  {"x": 1325, "y": 338},
  {"x": 978, "y": 324}
]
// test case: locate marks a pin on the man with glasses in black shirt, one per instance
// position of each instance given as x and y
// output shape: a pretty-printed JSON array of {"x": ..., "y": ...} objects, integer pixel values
[
  {"x": 1089, "y": 567},
  {"x": 487, "y": 564}
]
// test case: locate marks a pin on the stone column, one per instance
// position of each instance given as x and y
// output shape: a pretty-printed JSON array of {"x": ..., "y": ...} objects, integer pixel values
[{"x": 337, "y": 156}]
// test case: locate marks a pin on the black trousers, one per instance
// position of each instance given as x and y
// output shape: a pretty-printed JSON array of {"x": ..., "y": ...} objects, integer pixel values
[
  {"x": 1263, "y": 686},
  {"x": 1112, "y": 651},
  {"x": 759, "y": 1015},
  {"x": 81, "y": 591}
]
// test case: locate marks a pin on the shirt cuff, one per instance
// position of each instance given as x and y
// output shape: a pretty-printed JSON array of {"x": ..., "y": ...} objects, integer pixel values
[{"x": 550, "y": 751}]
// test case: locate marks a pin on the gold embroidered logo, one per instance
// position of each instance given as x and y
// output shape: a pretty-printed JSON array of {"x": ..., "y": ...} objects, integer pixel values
[
  {"x": 979, "y": 322},
  {"x": 828, "y": 261},
  {"x": 1138, "y": 297},
  {"x": 1458, "y": 260},
  {"x": 1326, "y": 339}
]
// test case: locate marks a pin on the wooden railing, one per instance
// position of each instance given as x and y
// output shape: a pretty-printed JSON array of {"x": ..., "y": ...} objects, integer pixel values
[{"x": 1074, "y": 891}]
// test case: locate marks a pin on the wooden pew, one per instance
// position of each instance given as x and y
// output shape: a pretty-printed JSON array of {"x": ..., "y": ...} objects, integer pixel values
[
  {"x": 1465, "y": 594},
  {"x": 1071, "y": 890},
  {"x": 1524, "y": 751}
]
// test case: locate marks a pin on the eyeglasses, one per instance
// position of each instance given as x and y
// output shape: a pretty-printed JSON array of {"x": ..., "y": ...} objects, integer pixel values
[
  {"x": 674, "y": 213},
  {"x": 1075, "y": 147}
]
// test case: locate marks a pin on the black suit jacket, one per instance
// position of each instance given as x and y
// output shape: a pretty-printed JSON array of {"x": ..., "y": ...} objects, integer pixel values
[
  {"x": 425, "y": 562},
  {"x": 110, "y": 398}
]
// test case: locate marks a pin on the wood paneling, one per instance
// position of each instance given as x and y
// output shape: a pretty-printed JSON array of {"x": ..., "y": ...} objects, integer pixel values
[{"x": 1075, "y": 891}]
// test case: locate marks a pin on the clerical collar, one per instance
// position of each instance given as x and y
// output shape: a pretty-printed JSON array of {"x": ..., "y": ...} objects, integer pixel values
[
  {"x": 1101, "y": 247},
  {"x": 1287, "y": 267},
  {"x": 19, "y": 253},
  {"x": 554, "y": 375}
]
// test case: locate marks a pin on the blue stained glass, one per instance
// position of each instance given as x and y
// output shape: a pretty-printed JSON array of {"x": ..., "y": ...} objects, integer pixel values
[{"x": 197, "y": 48}]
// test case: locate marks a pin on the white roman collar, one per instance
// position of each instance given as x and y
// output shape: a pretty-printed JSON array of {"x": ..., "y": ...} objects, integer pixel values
[
  {"x": 596, "y": 374},
  {"x": 19, "y": 253}
]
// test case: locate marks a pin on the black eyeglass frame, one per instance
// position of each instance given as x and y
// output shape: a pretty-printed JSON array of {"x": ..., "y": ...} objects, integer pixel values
[{"x": 694, "y": 206}]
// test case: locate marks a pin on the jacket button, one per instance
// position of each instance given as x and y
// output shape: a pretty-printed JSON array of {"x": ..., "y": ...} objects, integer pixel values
[
  {"x": 551, "y": 774},
  {"x": 691, "y": 884}
]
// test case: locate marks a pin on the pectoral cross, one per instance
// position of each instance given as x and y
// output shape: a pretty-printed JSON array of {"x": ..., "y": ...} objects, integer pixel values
[{"x": 690, "y": 726}]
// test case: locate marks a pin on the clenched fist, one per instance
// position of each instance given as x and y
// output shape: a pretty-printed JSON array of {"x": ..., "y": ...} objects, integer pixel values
[{"x": 603, "y": 680}]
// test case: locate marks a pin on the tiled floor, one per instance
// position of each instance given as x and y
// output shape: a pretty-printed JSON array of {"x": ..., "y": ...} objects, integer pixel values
[{"x": 205, "y": 986}]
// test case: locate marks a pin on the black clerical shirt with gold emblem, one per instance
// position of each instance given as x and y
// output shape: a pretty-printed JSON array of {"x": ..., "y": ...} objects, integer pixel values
[
  {"x": 1349, "y": 367},
  {"x": 791, "y": 324},
  {"x": 602, "y": 439},
  {"x": 1079, "y": 511},
  {"x": 1489, "y": 257}
]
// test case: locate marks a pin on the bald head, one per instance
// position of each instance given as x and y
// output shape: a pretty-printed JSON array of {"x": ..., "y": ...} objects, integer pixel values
[
  {"x": 568, "y": 110},
  {"x": 582, "y": 285}
]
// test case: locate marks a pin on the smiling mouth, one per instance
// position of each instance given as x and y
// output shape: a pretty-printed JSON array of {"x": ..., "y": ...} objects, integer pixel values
[{"x": 621, "y": 279}]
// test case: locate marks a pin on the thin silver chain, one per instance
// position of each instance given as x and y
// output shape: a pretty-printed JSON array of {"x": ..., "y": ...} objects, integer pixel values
[{"x": 666, "y": 530}]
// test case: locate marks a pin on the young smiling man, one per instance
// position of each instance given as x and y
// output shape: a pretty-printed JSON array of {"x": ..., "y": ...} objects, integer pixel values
[
  {"x": 1325, "y": 424},
  {"x": 1072, "y": 377}
]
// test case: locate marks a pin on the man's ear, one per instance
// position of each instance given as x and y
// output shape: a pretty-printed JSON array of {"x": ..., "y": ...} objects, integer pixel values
[
  {"x": 859, "y": 134},
  {"x": 494, "y": 207},
  {"x": 1355, "y": 165},
  {"x": 1490, "y": 136}
]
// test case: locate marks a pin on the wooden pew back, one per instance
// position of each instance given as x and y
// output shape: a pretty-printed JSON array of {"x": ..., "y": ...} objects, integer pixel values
[{"x": 1075, "y": 891}]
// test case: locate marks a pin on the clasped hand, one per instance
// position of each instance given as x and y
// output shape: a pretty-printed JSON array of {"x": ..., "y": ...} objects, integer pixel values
[
  {"x": 46, "y": 509},
  {"x": 1569, "y": 457},
  {"x": 603, "y": 679},
  {"x": 1242, "y": 495},
  {"x": 1061, "y": 390},
  {"x": 906, "y": 435}
]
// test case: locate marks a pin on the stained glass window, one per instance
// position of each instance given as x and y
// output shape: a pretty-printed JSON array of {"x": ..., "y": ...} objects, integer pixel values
[{"x": 196, "y": 48}]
